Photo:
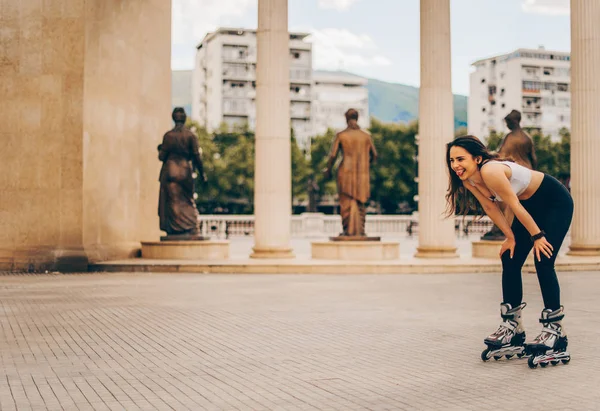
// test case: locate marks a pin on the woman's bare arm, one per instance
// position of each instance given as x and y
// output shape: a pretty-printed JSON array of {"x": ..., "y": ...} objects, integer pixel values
[{"x": 491, "y": 210}]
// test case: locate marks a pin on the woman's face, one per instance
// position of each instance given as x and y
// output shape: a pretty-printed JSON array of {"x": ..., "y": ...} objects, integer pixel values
[{"x": 462, "y": 163}]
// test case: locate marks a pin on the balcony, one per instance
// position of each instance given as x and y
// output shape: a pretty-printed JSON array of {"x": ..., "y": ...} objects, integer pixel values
[
  {"x": 300, "y": 97},
  {"x": 237, "y": 107},
  {"x": 238, "y": 74},
  {"x": 237, "y": 92}
]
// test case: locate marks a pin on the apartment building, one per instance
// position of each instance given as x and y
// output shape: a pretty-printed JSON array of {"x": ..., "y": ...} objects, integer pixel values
[
  {"x": 334, "y": 93},
  {"x": 224, "y": 81},
  {"x": 534, "y": 81}
]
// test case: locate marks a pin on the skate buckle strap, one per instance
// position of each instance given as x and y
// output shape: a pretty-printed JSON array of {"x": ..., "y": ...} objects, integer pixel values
[
  {"x": 549, "y": 330},
  {"x": 508, "y": 324},
  {"x": 551, "y": 320}
]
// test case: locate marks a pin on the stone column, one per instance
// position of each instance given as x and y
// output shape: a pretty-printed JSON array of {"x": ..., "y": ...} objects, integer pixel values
[
  {"x": 42, "y": 57},
  {"x": 272, "y": 175},
  {"x": 127, "y": 110},
  {"x": 84, "y": 101},
  {"x": 585, "y": 126},
  {"x": 436, "y": 128}
]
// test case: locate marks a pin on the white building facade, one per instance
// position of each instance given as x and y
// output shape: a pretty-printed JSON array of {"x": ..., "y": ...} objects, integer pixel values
[
  {"x": 534, "y": 82},
  {"x": 224, "y": 81},
  {"x": 334, "y": 93}
]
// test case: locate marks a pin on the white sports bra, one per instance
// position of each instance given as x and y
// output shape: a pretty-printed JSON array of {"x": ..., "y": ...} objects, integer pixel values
[{"x": 519, "y": 180}]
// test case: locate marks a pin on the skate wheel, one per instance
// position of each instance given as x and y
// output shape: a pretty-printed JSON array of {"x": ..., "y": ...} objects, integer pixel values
[
  {"x": 497, "y": 357},
  {"x": 484, "y": 354},
  {"x": 554, "y": 362},
  {"x": 543, "y": 364},
  {"x": 520, "y": 355},
  {"x": 509, "y": 356},
  {"x": 565, "y": 361},
  {"x": 531, "y": 364}
]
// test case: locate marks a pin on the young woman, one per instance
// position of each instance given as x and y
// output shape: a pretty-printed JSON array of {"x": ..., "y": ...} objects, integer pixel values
[{"x": 543, "y": 210}]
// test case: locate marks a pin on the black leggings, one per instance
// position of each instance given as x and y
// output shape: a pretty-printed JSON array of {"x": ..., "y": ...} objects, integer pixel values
[{"x": 551, "y": 206}]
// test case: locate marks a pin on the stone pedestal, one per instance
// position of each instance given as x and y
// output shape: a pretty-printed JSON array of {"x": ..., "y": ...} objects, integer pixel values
[
  {"x": 185, "y": 250},
  {"x": 486, "y": 248},
  {"x": 354, "y": 238},
  {"x": 491, "y": 249},
  {"x": 355, "y": 250},
  {"x": 183, "y": 237}
]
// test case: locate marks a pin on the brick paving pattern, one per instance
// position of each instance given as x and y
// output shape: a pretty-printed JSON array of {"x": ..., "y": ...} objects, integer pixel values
[{"x": 282, "y": 342}]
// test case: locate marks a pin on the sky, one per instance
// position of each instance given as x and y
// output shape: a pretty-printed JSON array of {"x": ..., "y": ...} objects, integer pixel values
[{"x": 380, "y": 38}]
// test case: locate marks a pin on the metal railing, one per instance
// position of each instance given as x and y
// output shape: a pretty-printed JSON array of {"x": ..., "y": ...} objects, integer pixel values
[{"x": 321, "y": 225}]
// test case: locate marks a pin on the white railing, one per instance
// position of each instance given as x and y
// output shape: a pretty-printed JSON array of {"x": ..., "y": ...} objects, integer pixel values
[{"x": 321, "y": 225}]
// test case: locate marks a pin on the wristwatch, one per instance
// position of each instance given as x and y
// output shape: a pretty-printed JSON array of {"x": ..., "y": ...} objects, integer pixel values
[{"x": 538, "y": 236}]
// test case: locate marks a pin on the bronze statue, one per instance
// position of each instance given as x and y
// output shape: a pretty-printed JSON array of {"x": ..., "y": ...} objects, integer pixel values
[
  {"x": 353, "y": 177},
  {"x": 518, "y": 146},
  {"x": 180, "y": 154}
]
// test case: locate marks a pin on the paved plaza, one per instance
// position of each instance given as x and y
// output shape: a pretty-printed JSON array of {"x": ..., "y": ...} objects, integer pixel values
[{"x": 282, "y": 342}]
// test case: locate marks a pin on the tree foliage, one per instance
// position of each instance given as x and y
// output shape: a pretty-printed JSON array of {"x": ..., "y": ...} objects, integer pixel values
[{"x": 228, "y": 156}]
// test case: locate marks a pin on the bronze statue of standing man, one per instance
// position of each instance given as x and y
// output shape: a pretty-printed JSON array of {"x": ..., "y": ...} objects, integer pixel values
[
  {"x": 353, "y": 179},
  {"x": 518, "y": 146},
  {"x": 180, "y": 155}
]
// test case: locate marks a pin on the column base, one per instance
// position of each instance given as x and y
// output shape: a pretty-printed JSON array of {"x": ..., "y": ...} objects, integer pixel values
[
  {"x": 272, "y": 252},
  {"x": 584, "y": 250},
  {"x": 114, "y": 251},
  {"x": 436, "y": 252},
  {"x": 39, "y": 259}
]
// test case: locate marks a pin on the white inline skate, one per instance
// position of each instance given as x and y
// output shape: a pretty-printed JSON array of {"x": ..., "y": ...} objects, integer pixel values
[
  {"x": 509, "y": 339},
  {"x": 550, "y": 347}
]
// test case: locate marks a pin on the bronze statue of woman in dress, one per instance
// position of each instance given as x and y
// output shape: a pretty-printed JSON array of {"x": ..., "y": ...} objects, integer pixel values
[{"x": 180, "y": 155}]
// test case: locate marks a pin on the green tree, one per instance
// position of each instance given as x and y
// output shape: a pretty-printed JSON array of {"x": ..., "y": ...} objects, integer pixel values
[
  {"x": 319, "y": 152},
  {"x": 300, "y": 172},
  {"x": 554, "y": 156},
  {"x": 493, "y": 140},
  {"x": 393, "y": 176}
]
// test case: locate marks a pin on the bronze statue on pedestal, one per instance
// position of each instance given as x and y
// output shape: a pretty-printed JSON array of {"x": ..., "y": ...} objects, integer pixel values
[
  {"x": 180, "y": 155},
  {"x": 353, "y": 178}
]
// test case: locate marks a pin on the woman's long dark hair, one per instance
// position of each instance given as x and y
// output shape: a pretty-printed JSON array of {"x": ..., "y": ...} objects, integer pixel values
[{"x": 459, "y": 200}]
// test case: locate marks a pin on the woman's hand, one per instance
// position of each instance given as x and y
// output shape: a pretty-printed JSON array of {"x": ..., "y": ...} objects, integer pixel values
[
  {"x": 541, "y": 245},
  {"x": 508, "y": 244}
]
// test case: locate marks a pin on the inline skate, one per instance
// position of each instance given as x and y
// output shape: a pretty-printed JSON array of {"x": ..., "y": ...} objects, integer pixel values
[
  {"x": 509, "y": 339},
  {"x": 550, "y": 347}
]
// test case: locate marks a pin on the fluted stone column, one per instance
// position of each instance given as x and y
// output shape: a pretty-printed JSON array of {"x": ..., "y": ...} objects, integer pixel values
[
  {"x": 436, "y": 128},
  {"x": 585, "y": 126},
  {"x": 272, "y": 176},
  {"x": 84, "y": 101}
]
